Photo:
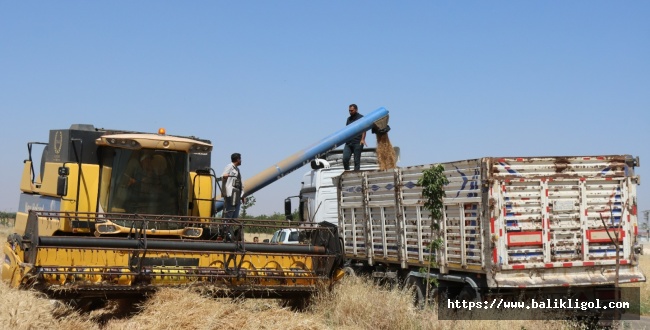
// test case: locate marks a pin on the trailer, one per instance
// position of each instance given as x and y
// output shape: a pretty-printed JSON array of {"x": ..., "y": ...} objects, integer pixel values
[{"x": 509, "y": 224}]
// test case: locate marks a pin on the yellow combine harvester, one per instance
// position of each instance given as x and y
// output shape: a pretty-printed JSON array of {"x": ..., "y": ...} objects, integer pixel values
[{"x": 115, "y": 214}]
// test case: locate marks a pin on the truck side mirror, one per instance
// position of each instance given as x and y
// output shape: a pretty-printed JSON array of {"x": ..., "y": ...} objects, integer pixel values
[
  {"x": 62, "y": 181},
  {"x": 287, "y": 209}
]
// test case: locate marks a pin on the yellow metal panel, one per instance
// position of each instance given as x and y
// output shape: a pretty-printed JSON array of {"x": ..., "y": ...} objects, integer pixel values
[
  {"x": 11, "y": 272},
  {"x": 88, "y": 187},
  {"x": 26, "y": 184},
  {"x": 99, "y": 257},
  {"x": 105, "y": 186},
  {"x": 104, "y": 266},
  {"x": 21, "y": 223},
  {"x": 48, "y": 226},
  {"x": 202, "y": 190},
  {"x": 50, "y": 177}
]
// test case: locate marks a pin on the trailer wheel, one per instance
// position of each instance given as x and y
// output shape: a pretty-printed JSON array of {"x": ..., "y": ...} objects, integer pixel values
[
  {"x": 467, "y": 294},
  {"x": 416, "y": 287}
]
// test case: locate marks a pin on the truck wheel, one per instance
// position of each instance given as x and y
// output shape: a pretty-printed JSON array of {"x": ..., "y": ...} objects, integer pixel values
[
  {"x": 416, "y": 287},
  {"x": 349, "y": 271},
  {"x": 467, "y": 294}
]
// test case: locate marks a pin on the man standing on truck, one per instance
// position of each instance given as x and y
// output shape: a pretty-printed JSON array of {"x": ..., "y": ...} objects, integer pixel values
[
  {"x": 356, "y": 143},
  {"x": 233, "y": 188}
]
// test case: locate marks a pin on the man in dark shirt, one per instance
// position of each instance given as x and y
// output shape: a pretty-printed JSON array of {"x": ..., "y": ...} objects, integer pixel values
[{"x": 355, "y": 144}]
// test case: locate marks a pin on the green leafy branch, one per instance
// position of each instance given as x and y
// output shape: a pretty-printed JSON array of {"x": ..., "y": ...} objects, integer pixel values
[{"x": 433, "y": 183}]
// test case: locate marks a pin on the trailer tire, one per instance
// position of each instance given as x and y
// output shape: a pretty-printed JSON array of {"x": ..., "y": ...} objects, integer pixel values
[
  {"x": 415, "y": 286},
  {"x": 467, "y": 294}
]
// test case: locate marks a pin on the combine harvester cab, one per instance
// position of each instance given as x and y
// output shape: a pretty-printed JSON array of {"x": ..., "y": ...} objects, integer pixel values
[{"x": 115, "y": 214}]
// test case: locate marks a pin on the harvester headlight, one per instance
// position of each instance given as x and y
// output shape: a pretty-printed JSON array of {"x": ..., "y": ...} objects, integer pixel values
[
  {"x": 200, "y": 148},
  {"x": 106, "y": 229},
  {"x": 124, "y": 143},
  {"x": 128, "y": 143},
  {"x": 192, "y": 232}
]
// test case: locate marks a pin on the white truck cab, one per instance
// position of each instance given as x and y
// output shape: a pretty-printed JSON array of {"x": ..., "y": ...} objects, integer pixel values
[
  {"x": 286, "y": 236},
  {"x": 318, "y": 199}
]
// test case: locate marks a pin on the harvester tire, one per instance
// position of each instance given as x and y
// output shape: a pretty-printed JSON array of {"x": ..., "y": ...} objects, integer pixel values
[
  {"x": 86, "y": 305},
  {"x": 297, "y": 304}
]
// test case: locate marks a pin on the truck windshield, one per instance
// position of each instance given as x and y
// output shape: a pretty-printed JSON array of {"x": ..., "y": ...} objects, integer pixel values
[
  {"x": 286, "y": 236},
  {"x": 275, "y": 237},
  {"x": 147, "y": 182}
]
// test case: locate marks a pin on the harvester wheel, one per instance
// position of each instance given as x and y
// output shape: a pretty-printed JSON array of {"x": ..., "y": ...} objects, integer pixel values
[
  {"x": 86, "y": 305},
  {"x": 296, "y": 304}
]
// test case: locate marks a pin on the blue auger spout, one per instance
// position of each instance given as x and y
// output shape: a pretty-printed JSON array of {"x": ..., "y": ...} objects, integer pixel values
[{"x": 376, "y": 120}]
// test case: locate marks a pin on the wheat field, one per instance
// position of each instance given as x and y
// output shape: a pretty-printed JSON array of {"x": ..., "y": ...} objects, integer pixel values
[{"x": 355, "y": 303}]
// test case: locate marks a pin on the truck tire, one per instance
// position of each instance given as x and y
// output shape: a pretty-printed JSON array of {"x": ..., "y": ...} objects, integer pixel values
[
  {"x": 416, "y": 286},
  {"x": 467, "y": 293},
  {"x": 349, "y": 271}
]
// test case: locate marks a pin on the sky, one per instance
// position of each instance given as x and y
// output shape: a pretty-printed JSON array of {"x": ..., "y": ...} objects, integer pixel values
[{"x": 460, "y": 79}]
